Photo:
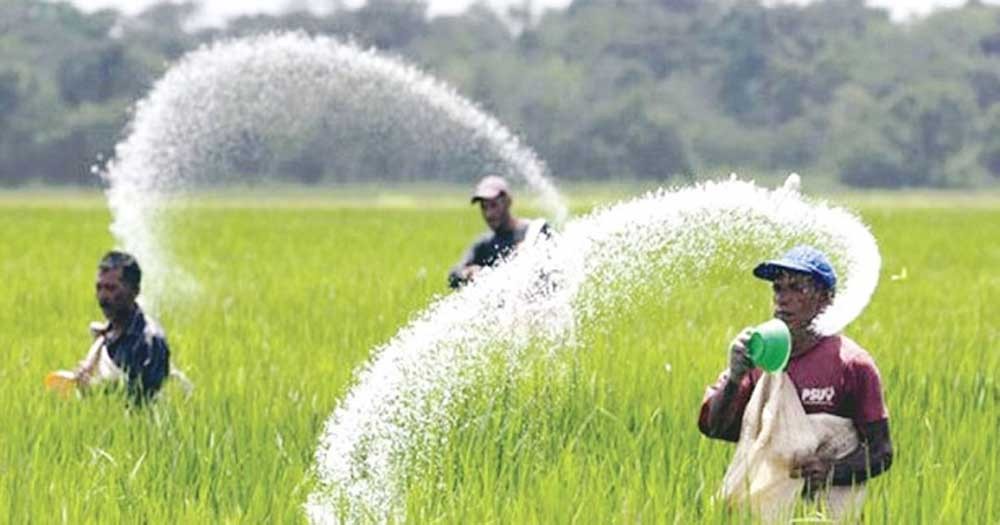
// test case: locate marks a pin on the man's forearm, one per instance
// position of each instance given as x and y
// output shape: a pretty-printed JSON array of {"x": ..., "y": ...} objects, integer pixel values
[
  {"x": 721, "y": 415},
  {"x": 860, "y": 466},
  {"x": 873, "y": 456}
]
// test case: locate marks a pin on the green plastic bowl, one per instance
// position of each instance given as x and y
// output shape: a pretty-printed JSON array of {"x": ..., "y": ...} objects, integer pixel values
[{"x": 770, "y": 345}]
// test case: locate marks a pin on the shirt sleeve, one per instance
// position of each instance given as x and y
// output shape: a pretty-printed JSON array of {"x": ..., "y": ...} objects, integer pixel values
[
  {"x": 474, "y": 255},
  {"x": 731, "y": 420},
  {"x": 866, "y": 391}
]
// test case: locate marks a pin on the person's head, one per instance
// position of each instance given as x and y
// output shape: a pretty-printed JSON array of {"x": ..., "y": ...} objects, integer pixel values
[
  {"x": 118, "y": 280},
  {"x": 803, "y": 282},
  {"x": 493, "y": 195}
]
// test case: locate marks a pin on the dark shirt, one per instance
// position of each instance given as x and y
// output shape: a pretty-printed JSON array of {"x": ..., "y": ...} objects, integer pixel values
[
  {"x": 491, "y": 248},
  {"x": 141, "y": 352}
]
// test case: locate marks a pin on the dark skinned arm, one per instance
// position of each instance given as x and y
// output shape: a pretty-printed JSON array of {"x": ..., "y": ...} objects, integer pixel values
[
  {"x": 872, "y": 457},
  {"x": 722, "y": 413}
]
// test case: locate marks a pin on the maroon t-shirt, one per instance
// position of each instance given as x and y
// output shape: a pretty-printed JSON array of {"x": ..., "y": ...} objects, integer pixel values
[{"x": 835, "y": 377}]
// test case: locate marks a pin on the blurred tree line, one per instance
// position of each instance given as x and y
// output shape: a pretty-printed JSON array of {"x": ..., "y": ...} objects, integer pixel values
[{"x": 603, "y": 90}]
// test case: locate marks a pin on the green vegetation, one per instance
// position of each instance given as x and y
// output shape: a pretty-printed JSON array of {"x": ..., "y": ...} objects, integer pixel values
[
  {"x": 294, "y": 297},
  {"x": 651, "y": 90}
]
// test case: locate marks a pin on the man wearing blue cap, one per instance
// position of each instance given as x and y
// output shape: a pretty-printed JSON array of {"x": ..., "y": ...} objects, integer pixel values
[
  {"x": 506, "y": 233},
  {"x": 831, "y": 374}
]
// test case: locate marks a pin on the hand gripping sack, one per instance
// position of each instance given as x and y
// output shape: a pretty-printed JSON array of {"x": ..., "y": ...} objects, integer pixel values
[{"x": 777, "y": 432}]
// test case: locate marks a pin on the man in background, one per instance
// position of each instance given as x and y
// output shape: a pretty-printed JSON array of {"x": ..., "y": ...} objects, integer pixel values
[
  {"x": 506, "y": 233},
  {"x": 130, "y": 346}
]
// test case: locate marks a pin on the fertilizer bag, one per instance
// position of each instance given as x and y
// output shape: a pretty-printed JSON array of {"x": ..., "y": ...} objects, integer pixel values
[{"x": 777, "y": 432}]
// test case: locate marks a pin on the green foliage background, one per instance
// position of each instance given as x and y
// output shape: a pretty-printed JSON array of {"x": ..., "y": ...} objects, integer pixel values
[
  {"x": 617, "y": 91},
  {"x": 296, "y": 292}
]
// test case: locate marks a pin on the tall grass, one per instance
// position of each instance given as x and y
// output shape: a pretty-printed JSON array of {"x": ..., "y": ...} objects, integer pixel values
[{"x": 293, "y": 299}]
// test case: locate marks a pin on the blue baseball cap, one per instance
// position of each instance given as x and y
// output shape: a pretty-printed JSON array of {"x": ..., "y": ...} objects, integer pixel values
[{"x": 804, "y": 259}]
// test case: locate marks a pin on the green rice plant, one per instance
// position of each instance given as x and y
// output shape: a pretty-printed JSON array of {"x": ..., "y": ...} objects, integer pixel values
[{"x": 292, "y": 298}]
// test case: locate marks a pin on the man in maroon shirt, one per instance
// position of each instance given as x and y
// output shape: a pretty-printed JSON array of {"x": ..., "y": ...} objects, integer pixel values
[{"x": 832, "y": 374}]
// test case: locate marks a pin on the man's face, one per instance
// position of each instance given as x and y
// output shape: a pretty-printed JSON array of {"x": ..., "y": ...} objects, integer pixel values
[
  {"x": 496, "y": 211},
  {"x": 798, "y": 299},
  {"x": 114, "y": 295}
]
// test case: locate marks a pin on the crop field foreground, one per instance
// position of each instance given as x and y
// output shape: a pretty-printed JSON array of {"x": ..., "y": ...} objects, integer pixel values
[{"x": 293, "y": 298}]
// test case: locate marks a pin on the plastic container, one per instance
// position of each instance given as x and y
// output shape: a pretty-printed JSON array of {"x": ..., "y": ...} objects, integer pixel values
[{"x": 770, "y": 345}]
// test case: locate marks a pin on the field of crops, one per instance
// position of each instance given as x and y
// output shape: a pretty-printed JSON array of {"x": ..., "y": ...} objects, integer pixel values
[{"x": 296, "y": 292}]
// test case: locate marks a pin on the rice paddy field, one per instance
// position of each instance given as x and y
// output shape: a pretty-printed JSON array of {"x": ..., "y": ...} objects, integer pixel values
[{"x": 296, "y": 291}]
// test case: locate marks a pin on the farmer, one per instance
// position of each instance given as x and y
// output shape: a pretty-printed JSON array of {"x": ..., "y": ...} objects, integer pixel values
[
  {"x": 130, "y": 346},
  {"x": 507, "y": 231},
  {"x": 831, "y": 374}
]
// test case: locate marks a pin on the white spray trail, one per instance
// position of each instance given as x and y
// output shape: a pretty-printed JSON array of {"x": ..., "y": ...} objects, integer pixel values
[
  {"x": 401, "y": 406},
  {"x": 232, "y": 98}
]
